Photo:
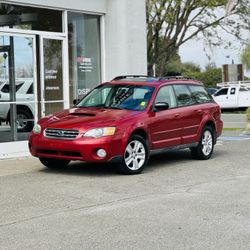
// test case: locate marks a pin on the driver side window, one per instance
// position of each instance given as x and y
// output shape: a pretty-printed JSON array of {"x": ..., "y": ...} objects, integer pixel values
[
  {"x": 166, "y": 94},
  {"x": 221, "y": 92}
]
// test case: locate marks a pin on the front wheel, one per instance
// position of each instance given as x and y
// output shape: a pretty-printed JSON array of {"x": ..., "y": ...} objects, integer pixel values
[
  {"x": 24, "y": 123},
  {"x": 54, "y": 163},
  {"x": 205, "y": 148},
  {"x": 136, "y": 156}
]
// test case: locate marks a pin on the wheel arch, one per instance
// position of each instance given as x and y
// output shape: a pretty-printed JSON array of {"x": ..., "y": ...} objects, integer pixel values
[
  {"x": 141, "y": 132},
  {"x": 21, "y": 107},
  {"x": 211, "y": 124},
  {"x": 26, "y": 108}
]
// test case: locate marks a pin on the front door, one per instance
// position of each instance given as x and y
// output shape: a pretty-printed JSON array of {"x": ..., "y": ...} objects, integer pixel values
[
  {"x": 165, "y": 126},
  {"x": 18, "y": 106},
  {"x": 52, "y": 75}
]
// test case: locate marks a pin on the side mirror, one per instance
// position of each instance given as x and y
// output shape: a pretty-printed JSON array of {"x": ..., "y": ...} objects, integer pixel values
[
  {"x": 161, "y": 106},
  {"x": 75, "y": 101}
]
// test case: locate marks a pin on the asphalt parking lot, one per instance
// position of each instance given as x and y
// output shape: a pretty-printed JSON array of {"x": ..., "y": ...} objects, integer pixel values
[{"x": 176, "y": 203}]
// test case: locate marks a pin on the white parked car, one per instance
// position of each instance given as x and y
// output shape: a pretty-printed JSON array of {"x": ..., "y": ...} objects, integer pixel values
[
  {"x": 24, "y": 99},
  {"x": 233, "y": 96}
]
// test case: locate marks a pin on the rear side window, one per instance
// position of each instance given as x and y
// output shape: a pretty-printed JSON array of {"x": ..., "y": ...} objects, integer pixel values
[
  {"x": 199, "y": 94},
  {"x": 30, "y": 90},
  {"x": 243, "y": 89},
  {"x": 232, "y": 91},
  {"x": 183, "y": 95}
]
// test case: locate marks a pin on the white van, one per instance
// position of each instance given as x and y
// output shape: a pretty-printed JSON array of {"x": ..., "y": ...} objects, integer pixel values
[{"x": 233, "y": 95}]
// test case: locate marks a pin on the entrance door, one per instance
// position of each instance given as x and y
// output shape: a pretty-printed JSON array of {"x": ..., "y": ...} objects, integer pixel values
[
  {"x": 52, "y": 75},
  {"x": 18, "y": 106}
]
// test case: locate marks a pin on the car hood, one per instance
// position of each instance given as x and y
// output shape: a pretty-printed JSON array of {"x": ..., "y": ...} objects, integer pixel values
[{"x": 83, "y": 119}]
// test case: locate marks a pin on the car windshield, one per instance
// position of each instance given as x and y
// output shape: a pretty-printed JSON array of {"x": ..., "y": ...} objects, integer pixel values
[{"x": 132, "y": 97}]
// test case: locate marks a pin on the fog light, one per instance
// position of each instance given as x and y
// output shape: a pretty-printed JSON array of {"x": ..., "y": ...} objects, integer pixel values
[{"x": 101, "y": 153}]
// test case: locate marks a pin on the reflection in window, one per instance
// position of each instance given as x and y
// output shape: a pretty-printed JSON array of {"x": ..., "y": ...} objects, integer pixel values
[
  {"x": 199, "y": 94},
  {"x": 118, "y": 97},
  {"x": 29, "y": 18},
  {"x": 166, "y": 94},
  {"x": 183, "y": 95},
  {"x": 84, "y": 53}
]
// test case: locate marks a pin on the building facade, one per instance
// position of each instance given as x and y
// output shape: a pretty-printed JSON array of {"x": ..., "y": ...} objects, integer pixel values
[{"x": 52, "y": 52}]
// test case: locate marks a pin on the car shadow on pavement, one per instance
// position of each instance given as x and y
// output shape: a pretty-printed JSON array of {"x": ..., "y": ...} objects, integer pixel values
[
  {"x": 83, "y": 168},
  {"x": 166, "y": 159},
  {"x": 156, "y": 161}
]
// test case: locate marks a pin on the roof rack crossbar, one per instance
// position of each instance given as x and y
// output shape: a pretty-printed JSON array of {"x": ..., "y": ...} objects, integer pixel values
[
  {"x": 131, "y": 76},
  {"x": 175, "y": 77}
]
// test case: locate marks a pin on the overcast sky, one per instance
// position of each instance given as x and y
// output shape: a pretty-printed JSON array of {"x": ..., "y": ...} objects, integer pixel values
[{"x": 193, "y": 51}]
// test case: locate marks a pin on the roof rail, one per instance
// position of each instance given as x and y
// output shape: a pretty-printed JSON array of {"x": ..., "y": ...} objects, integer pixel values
[
  {"x": 132, "y": 76},
  {"x": 235, "y": 83},
  {"x": 175, "y": 78}
]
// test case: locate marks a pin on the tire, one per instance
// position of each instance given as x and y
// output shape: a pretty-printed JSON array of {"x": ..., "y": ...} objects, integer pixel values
[
  {"x": 22, "y": 125},
  {"x": 54, "y": 163},
  {"x": 135, "y": 156},
  {"x": 205, "y": 147}
]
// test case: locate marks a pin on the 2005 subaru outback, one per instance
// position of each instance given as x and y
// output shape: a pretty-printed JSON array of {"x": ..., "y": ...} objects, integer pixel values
[{"x": 124, "y": 120}]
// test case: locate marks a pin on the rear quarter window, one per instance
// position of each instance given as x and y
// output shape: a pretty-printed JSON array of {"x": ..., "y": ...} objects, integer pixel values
[
  {"x": 183, "y": 95},
  {"x": 199, "y": 94}
]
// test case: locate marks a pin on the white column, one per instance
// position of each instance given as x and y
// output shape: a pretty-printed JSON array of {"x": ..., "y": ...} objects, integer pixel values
[{"x": 125, "y": 38}]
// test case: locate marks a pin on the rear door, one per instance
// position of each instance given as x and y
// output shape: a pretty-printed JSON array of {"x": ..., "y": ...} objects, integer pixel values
[
  {"x": 190, "y": 115},
  {"x": 165, "y": 126},
  {"x": 202, "y": 105}
]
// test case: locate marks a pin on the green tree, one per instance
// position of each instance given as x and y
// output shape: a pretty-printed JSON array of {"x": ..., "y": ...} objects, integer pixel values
[
  {"x": 190, "y": 67},
  {"x": 171, "y": 23},
  {"x": 245, "y": 56},
  {"x": 209, "y": 77}
]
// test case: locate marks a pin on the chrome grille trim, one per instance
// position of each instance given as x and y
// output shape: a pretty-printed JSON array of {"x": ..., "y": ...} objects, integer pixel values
[{"x": 65, "y": 134}]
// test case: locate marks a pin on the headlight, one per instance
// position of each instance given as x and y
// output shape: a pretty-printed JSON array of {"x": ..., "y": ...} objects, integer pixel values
[
  {"x": 37, "y": 129},
  {"x": 99, "y": 132}
]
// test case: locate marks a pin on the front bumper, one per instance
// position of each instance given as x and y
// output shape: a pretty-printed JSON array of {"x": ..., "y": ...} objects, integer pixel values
[{"x": 83, "y": 149}]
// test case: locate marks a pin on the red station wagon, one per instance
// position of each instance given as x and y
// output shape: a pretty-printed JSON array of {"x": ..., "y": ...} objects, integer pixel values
[{"x": 124, "y": 120}]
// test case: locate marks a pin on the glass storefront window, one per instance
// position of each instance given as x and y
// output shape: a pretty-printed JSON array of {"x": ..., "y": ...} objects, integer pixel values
[
  {"x": 29, "y": 18},
  {"x": 17, "y": 100},
  {"x": 84, "y": 53},
  {"x": 53, "y": 76}
]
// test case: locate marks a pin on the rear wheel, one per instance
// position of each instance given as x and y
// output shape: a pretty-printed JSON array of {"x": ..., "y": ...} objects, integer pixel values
[
  {"x": 135, "y": 157},
  {"x": 205, "y": 148},
  {"x": 54, "y": 163}
]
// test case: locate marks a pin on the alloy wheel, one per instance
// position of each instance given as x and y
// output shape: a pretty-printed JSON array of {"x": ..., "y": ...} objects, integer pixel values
[
  {"x": 21, "y": 121},
  {"x": 207, "y": 142},
  {"x": 135, "y": 155}
]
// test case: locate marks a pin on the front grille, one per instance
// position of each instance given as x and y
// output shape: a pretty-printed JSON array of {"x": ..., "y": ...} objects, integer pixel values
[{"x": 61, "y": 133}]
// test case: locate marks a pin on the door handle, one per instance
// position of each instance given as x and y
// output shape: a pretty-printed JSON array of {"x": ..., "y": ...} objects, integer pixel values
[{"x": 177, "y": 116}]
